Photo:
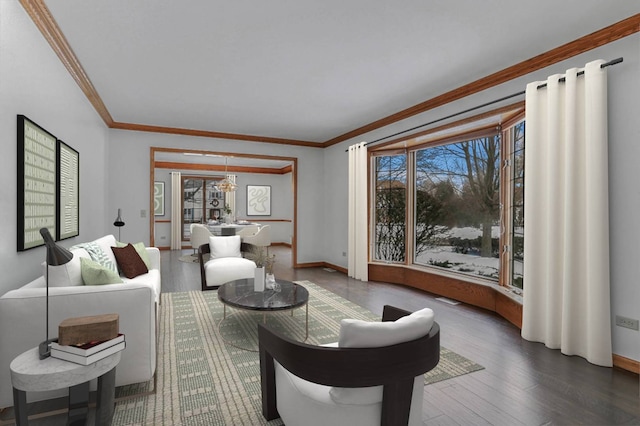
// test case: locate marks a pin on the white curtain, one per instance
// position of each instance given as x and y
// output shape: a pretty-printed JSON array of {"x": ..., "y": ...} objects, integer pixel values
[
  {"x": 176, "y": 211},
  {"x": 358, "y": 237},
  {"x": 566, "y": 247}
]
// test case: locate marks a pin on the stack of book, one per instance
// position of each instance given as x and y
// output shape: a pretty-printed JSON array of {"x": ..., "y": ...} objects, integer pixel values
[{"x": 88, "y": 353}]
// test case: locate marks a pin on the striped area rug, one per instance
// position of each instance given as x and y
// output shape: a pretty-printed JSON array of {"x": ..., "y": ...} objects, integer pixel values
[{"x": 203, "y": 378}]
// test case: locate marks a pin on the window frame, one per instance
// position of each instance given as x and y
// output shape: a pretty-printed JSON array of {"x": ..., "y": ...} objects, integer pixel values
[
  {"x": 507, "y": 202},
  {"x": 373, "y": 200},
  {"x": 501, "y": 128}
]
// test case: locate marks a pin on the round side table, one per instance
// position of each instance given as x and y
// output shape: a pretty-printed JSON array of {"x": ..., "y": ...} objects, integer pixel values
[{"x": 29, "y": 373}]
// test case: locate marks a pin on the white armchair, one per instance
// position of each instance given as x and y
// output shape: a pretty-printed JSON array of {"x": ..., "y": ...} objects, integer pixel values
[
  {"x": 373, "y": 377},
  {"x": 225, "y": 262}
]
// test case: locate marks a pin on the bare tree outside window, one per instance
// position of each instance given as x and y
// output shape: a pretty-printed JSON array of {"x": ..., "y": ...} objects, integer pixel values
[
  {"x": 390, "y": 208},
  {"x": 458, "y": 206}
]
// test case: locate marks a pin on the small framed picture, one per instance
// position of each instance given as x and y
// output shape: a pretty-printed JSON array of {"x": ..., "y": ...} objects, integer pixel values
[
  {"x": 158, "y": 198},
  {"x": 258, "y": 200}
]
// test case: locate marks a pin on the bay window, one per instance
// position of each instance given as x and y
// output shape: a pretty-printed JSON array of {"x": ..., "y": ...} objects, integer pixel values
[{"x": 453, "y": 204}]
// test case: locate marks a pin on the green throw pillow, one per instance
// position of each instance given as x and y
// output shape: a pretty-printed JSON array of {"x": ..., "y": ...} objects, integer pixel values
[
  {"x": 95, "y": 274},
  {"x": 142, "y": 251}
]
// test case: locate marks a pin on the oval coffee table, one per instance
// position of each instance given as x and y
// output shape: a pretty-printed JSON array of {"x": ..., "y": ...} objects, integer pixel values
[{"x": 240, "y": 294}]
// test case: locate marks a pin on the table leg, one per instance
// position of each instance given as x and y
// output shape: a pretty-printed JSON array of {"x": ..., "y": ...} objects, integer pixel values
[
  {"x": 20, "y": 407},
  {"x": 78, "y": 404},
  {"x": 106, "y": 397}
]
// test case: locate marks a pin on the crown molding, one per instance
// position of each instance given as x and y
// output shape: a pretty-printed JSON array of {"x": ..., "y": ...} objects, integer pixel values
[
  {"x": 41, "y": 16},
  {"x": 211, "y": 134},
  {"x": 174, "y": 165}
]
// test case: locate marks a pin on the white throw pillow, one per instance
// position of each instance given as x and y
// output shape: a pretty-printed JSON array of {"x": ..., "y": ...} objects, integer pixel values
[
  {"x": 374, "y": 334},
  {"x": 366, "y": 334},
  {"x": 68, "y": 274},
  {"x": 224, "y": 246},
  {"x": 105, "y": 244}
]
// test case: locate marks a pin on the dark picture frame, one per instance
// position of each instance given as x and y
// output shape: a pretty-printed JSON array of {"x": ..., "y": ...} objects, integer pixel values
[
  {"x": 258, "y": 200},
  {"x": 37, "y": 183},
  {"x": 68, "y": 195}
]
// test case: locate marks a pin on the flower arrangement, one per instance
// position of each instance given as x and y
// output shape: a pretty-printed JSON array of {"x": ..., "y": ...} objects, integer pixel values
[
  {"x": 262, "y": 259},
  {"x": 227, "y": 209}
]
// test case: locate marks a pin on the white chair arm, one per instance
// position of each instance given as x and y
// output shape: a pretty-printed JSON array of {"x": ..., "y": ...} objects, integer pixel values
[{"x": 154, "y": 257}]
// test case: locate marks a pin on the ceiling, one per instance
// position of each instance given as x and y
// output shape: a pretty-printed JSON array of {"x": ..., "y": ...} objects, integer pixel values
[{"x": 305, "y": 70}]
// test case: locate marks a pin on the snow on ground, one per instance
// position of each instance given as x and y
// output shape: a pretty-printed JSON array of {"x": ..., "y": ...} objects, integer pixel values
[
  {"x": 446, "y": 257},
  {"x": 469, "y": 233},
  {"x": 468, "y": 263}
]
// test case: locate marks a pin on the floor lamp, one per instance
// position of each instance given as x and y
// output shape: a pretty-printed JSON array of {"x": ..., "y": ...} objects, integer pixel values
[
  {"x": 119, "y": 223},
  {"x": 56, "y": 256}
]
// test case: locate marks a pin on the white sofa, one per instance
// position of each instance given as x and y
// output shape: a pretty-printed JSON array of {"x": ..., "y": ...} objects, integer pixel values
[{"x": 22, "y": 316}]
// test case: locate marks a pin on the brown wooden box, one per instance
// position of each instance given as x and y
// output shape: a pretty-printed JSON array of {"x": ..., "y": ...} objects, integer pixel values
[{"x": 73, "y": 331}]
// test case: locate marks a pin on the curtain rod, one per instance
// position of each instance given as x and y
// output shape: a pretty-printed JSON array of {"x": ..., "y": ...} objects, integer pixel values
[{"x": 606, "y": 64}]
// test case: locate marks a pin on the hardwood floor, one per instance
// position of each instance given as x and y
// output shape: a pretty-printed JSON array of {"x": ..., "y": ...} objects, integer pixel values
[{"x": 523, "y": 383}]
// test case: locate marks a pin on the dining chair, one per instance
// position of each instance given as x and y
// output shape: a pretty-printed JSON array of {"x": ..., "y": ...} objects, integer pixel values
[
  {"x": 262, "y": 238},
  {"x": 199, "y": 235}
]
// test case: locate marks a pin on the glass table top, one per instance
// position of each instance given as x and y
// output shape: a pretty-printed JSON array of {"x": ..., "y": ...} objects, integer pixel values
[{"x": 241, "y": 294}]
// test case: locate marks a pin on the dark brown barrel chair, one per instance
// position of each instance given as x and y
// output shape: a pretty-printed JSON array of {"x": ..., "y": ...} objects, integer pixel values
[{"x": 394, "y": 367}]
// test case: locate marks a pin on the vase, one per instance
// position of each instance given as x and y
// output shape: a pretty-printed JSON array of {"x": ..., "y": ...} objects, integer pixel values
[
  {"x": 228, "y": 219},
  {"x": 269, "y": 281},
  {"x": 258, "y": 279}
]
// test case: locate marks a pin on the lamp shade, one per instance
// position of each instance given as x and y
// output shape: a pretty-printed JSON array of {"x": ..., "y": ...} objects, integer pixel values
[
  {"x": 56, "y": 255},
  {"x": 119, "y": 222}
]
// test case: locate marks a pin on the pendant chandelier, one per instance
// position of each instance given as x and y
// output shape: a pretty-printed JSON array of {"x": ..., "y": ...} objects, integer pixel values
[{"x": 226, "y": 184}]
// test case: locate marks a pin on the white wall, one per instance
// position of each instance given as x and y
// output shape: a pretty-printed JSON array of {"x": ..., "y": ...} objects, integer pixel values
[
  {"x": 33, "y": 82},
  {"x": 130, "y": 152},
  {"x": 624, "y": 192}
]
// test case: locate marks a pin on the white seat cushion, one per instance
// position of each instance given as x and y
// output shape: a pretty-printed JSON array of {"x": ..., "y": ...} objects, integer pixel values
[
  {"x": 304, "y": 403},
  {"x": 222, "y": 270}
]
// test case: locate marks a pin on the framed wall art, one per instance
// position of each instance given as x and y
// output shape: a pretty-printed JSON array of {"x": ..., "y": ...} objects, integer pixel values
[
  {"x": 258, "y": 200},
  {"x": 158, "y": 198},
  {"x": 68, "y": 197},
  {"x": 37, "y": 183}
]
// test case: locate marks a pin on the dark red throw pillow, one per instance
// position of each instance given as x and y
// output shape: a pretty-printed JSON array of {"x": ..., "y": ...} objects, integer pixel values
[{"x": 129, "y": 261}]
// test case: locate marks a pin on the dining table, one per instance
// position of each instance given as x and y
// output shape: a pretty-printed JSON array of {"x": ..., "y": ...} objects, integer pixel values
[{"x": 225, "y": 229}]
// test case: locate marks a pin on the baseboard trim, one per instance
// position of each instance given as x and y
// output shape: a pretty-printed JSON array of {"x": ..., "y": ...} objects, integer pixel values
[
  {"x": 626, "y": 363},
  {"x": 321, "y": 265}
]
